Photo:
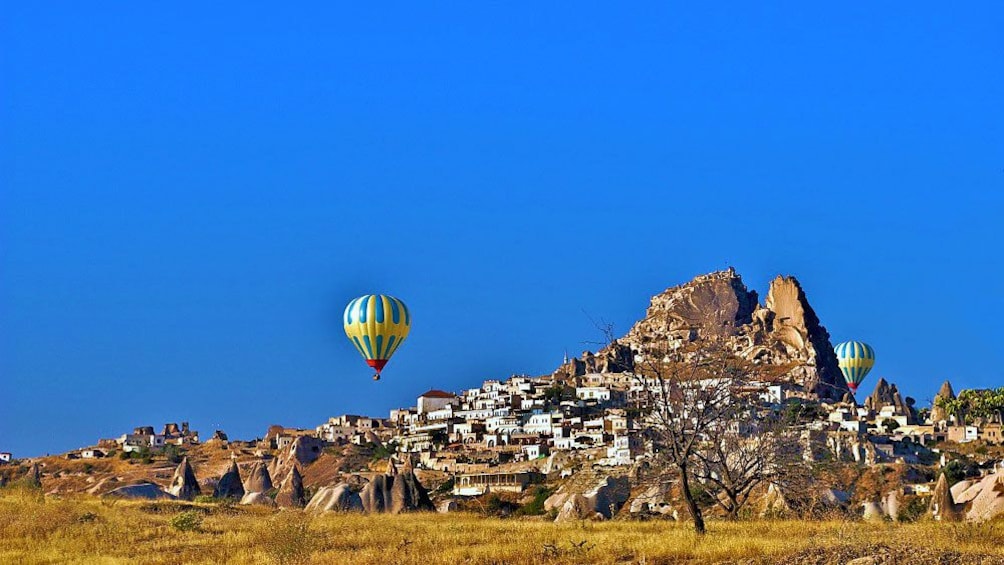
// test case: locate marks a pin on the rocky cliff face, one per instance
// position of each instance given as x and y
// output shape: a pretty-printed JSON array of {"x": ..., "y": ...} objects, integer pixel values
[
  {"x": 886, "y": 394},
  {"x": 784, "y": 332},
  {"x": 938, "y": 414}
]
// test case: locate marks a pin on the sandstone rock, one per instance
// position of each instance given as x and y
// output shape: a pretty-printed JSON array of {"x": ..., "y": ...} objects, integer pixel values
[
  {"x": 258, "y": 479},
  {"x": 290, "y": 493},
  {"x": 258, "y": 498},
  {"x": 989, "y": 503},
  {"x": 184, "y": 485},
  {"x": 370, "y": 437},
  {"x": 33, "y": 477},
  {"x": 872, "y": 511},
  {"x": 395, "y": 492},
  {"x": 557, "y": 500},
  {"x": 938, "y": 414},
  {"x": 337, "y": 498},
  {"x": 146, "y": 491},
  {"x": 886, "y": 394},
  {"x": 577, "y": 507},
  {"x": 891, "y": 504},
  {"x": 967, "y": 490},
  {"x": 376, "y": 495},
  {"x": 229, "y": 485},
  {"x": 303, "y": 451},
  {"x": 943, "y": 507},
  {"x": 447, "y": 506},
  {"x": 652, "y": 500},
  {"x": 774, "y": 502},
  {"x": 609, "y": 496}
]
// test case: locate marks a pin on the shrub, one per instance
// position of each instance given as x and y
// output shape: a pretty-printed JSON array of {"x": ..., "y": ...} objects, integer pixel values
[
  {"x": 536, "y": 506},
  {"x": 187, "y": 521},
  {"x": 172, "y": 454}
]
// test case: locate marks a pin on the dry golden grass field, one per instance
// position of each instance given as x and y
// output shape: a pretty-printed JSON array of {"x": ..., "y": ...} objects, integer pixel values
[{"x": 34, "y": 529}]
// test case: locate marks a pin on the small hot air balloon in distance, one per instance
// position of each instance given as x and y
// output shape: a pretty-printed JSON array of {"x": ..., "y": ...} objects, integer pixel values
[
  {"x": 377, "y": 324},
  {"x": 855, "y": 359}
]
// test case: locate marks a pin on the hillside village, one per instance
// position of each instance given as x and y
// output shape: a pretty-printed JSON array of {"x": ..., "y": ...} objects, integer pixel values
[{"x": 578, "y": 435}]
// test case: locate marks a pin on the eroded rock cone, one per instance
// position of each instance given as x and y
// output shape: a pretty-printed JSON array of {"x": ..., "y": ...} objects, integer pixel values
[
  {"x": 184, "y": 485},
  {"x": 291, "y": 491},
  {"x": 942, "y": 505},
  {"x": 939, "y": 414},
  {"x": 395, "y": 491},
  {"x": 33, "y": 477},
  {"x": 407, "y": 494},
  {"x": 376, "y": 495},
  {"x": 258, "y": 479},
  {"x": 230, "y": 485}
]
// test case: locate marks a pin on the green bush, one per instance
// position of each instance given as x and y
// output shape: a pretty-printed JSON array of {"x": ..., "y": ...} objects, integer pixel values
[
  {"x": 536, "y": 506},
  {"x": 188, "y": 521}
]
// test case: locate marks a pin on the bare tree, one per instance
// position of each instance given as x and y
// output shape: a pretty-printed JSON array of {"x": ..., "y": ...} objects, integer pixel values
[
  {"x": 707, "y": 426},
  {"x": 749, "y": 448}
]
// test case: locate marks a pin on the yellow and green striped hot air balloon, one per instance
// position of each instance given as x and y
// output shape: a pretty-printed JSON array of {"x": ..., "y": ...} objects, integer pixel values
[
  {"x": 377, "y": 325},
  {"x": 855, "y": 359}
]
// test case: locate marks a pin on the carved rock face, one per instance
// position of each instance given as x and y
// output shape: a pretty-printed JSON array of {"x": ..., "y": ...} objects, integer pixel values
[{"x": 784, "y": 332}]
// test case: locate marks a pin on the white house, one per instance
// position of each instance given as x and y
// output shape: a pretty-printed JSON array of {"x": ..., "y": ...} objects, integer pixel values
[
  {"x": 433, "y": 400},
  {"x": 5, "y": 456},
  {"x": 92, "y": 453}
]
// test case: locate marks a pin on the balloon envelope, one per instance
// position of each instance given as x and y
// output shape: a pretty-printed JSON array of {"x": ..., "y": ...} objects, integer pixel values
[
  {"x": 855, "y": 359},
  {"x": 377, "y": 324}
]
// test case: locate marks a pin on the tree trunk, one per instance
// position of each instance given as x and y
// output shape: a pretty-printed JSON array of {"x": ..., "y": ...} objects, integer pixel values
[
  {"x": 733, "y": 509},
  {"x": 695, "y": 510}
]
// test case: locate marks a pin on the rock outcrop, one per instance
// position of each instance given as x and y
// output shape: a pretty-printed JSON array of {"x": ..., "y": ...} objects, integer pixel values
[
  {"x": 258, "y": 498},
  {"x": 303, "y": 451},
  {"x": 872, "y": 511},
  {"x": 601, "y": 502},
  {"x": 774, "y": 502},
  {"x": 447, "y": 506},
  {"x": 576, "y": 507},
  {"x": 610, "y": 495},
  {"x": 184, "y": 485},
  {"x": 938, "y": 414},
  {"x": 337, "y": 498},
  {"x": 145, "y": 491},
  {"x": 785, "y": 332},
  {"x": 886, "y": 394},
  {"x": 290, "y": 493},
  {"x": 988, "y": 502},
  {"x": 33, "y": 478},
  {"x": 395, "y": 492},
  {"x": 258, "y": 479},
  {"x": 943, "y": 507},
  {"x": 230, "y": 485}
]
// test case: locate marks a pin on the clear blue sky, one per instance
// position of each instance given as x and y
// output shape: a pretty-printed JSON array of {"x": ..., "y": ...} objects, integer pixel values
[{"x": 189, "y": 194}]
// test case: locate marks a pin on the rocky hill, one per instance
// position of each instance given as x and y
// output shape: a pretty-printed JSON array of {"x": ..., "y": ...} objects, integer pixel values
[{"x": 783, "y": 332}]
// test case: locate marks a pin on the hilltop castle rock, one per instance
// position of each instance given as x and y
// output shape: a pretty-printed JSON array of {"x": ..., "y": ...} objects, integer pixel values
[{"x": 784, "y": 332}]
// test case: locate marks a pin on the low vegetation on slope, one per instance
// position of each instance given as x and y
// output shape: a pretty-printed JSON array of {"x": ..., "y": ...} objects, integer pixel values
[{"x": 36, "y": 529}]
